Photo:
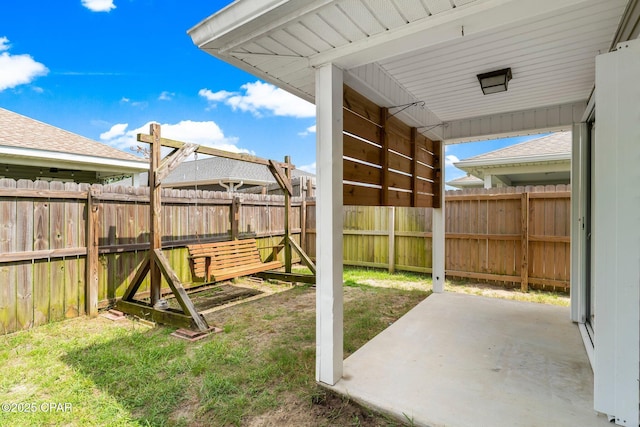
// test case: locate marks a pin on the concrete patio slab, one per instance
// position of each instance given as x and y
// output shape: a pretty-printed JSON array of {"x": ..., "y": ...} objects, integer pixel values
[{"x": 462, "y": 360}]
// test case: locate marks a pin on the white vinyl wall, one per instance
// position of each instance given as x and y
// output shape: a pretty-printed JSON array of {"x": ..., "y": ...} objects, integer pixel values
[{"x": 616, "y": 234}]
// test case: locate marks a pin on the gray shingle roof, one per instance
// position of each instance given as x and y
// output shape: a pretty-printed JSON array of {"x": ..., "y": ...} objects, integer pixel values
[
  {"x": 214, "y": 169},
  {"x": 556, "y": 143},
  {"x": 17, "y": 130}
]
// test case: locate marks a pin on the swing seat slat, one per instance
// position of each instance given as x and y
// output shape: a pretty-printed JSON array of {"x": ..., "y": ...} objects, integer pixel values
[{"x": 219, "y": 261}]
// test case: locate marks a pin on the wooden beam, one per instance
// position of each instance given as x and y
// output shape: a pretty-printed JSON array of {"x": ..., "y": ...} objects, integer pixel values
[
  {"x": 287, "y": 277},
  {"x": 91, "y": 272},
  {"x": 235, "y": 217},
  {"x": 210, "y": 151},
  {"x": 281, "y": 177},
  {"x": 287, "y": 215},
  {"x": 303, "y": 256},
  {"x": 437, "y": 167},
  {"x": 164, "y": 317},
  {"x": 172, "y": 161},
  {"x": 155, "y": 211},
  {"x": 141, "y": 273},
  {"x": 384, "y": 157},
  {"x": 34, "y": 193},
  {"x": 178, "y": 290},
  {"x": 414, "y": 167}
]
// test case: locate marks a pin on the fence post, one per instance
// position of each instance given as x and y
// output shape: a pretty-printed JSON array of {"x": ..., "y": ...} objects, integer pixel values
[
  {"x": 287, "y": 219},
  {"x": 524, "y": 264},
  {"x": 392, "y": 239},
  {"x": 235, "y": 217},
  {"x": 303, "y": 224},
  {"x": 91, "y": 272}
]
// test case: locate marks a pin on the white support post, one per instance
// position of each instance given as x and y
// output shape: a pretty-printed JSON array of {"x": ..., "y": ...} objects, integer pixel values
[
  {"x": 438, "y": 228},
  {"x": 616, "y": 214},
  {"x": 488, "y": 181},
  {"x": 329, "y": 291}
]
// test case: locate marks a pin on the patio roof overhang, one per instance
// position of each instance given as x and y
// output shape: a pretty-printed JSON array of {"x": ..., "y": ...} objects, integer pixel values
[
  {"x": 398, "y": 52},
  {"x": 422, "y": 57}
]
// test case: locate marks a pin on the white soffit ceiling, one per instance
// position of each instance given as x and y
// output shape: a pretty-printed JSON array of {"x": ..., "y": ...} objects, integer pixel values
[
  {"x": 552, "y": 58},
  {"x": 551, "y": 53}
]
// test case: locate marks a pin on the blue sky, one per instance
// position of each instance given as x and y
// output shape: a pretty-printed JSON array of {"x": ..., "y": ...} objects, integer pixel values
[{"x": 104, "y": 69}]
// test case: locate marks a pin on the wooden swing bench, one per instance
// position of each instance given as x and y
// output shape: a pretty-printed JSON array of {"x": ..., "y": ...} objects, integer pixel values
[{"x": 219, "y": 261}]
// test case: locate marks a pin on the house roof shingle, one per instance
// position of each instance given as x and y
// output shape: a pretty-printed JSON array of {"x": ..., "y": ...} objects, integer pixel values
[
  {"x": 17, "y": 130},
  {"x": 556, "y": 143}
]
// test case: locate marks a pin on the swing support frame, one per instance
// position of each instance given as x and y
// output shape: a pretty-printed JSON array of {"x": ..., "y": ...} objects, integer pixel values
[{"x": 156, "y": 265}]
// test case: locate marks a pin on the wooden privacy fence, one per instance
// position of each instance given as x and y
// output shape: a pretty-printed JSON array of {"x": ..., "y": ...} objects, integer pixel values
[
  {"x": 517, "y": 235},
  {"x": 48, "y": 231}
]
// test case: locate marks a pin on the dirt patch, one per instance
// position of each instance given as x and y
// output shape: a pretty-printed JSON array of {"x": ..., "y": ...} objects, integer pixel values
[{"x": 324, "y": 409}]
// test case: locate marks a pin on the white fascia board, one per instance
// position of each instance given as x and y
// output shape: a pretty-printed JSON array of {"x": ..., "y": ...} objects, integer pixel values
[
  {"x": 551, "y": 118},
  {"x": 28, "y": 156},
  {"x": 476, "y": 17},
  {"x": 260, "y": 74},
  {"x": 515, "y": 161},
  {"x": 245, "y": 21},
  {"x": 231, "y": 18}
]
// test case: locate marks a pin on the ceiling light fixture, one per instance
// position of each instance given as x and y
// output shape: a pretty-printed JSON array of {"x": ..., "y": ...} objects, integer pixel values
[{"x": 495, "y": 81}]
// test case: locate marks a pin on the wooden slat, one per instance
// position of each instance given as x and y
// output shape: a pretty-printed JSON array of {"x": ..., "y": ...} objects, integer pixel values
[
  {"x": 360, "y": 150},
  {"x": 425, "y": 172},
  {"x": 363, "y": 196},
  {"x": 399, "y": 163},
  {"x": 424, "y": 142},
  {"x": 8, "y": 285},
  {"x": 397, "y": 180},
  {"x": 24, "y": 243},
  {"x": 424, "y": 200},
  {"x": 358, "y": 125},
  {"x": 165, "y": 142},
  {"x": 41, "y": 193},
  {"x": 358, "y": 172},
  {"x": 359, "y": 104},
  {"x": 399, "y": 198},
  {"x": 424, "y": 156}
]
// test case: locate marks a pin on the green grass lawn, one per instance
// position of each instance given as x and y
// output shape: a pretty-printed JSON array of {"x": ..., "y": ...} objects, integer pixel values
[{"x": 127, "y": 373}]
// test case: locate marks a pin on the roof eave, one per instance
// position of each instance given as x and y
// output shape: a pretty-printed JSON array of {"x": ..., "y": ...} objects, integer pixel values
[
  {"x": 514, "y": 161},
  {"x": 19, "y": 155}
]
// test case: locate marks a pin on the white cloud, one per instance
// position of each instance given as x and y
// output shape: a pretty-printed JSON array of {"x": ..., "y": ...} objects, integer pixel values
[
  {"x": 259, "y": 98},
  {"x": 17, "y": 69},
  {"x": 99, "y": 5},
  {"x": 203, "y": 133},
  {"x": 311, "y": 168},
  {"x": 124, "y": 99},
  {"x": 166, "y": 96},
  {"x": 450, "y": 160},
  {"x": 307, "y": 131},
  {"x": 115, "y": 131},
  {"x": 218, "y": 96}
]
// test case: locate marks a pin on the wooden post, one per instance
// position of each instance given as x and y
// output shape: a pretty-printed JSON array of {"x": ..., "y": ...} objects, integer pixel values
[
  {"x": 155, "y": 208},
  {"x": 303, "y": 224},
  {"x": 91, "y": 269},
  {"x": 310, "y": 193},
  {"x": 384, "y": 157},
  {"x": 524, "y": 262},
  {"x": 235, "y": 218},
  {"x": 287, "y": 219},
  {"x": 414, "y": 166},
  {"x": 392, "y": 239}
]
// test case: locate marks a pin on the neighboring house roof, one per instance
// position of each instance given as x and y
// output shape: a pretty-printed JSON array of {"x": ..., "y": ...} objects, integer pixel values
[
  {"x": 212, "y": 170},
  {"x": 545, "y": 160},
  {"x": 467, "y": 181},
  {"x": 30, "y": 142}
]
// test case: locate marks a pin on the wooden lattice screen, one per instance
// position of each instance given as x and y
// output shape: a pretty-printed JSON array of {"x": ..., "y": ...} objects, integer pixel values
[{"x": 386, "y": 162}]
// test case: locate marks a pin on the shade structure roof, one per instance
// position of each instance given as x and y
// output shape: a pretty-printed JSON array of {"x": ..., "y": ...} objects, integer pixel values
[{"x": 401, "y": 51}]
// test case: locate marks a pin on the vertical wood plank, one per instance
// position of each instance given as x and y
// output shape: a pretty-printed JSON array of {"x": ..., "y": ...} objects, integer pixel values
[
  {"x": 524, "y": 242},
  {"x": 71, "y": 234},
  {"x": 56, "y": 266},
  {"x": 287, "y": 219},
  {"x": 92, "y": 267},
  {"x": 25, "y": 243},
  {"x": 41, "y": 289},
  {"x": 8, "y": 272}
]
